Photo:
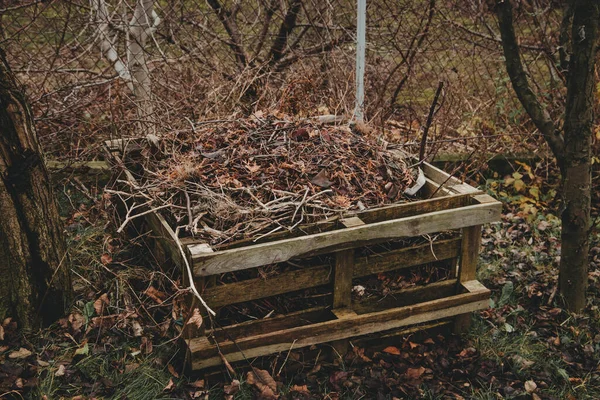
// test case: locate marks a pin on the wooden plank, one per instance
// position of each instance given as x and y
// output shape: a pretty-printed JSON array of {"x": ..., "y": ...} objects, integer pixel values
[
  {"x": 380, "y": 214},
  {"x": 269, "y": 343},
  {"x": 408, "y": 296},
  {"x": 449, "y": 182},
  {"x": 435, "y": 190},
  {"x": 284, "y": 250},
  {"x": 309, "y": 277},
  {"x": 467, "y": 268},
  {"x": 351, "y": 222},
  {"x": 341, "y": 313},
  {"x": 342, "y": 280},
  {"x": 272, "y": 324}
]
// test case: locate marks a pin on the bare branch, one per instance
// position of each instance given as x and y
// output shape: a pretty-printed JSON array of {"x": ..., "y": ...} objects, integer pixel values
[
  {"x": 227, "y": 18},
  {"x": 288, "y": 24},
  {"x": 518, "y": 78}
]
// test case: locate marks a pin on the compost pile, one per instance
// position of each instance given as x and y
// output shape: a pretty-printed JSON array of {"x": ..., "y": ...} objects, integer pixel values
[{"x": 249, "y": 178}]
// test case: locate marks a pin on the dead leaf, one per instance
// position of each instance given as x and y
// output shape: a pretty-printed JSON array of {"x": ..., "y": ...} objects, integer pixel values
[
  {"x": 105, "y": 259},
  {"x": 19, "y": 354},
  {"x": 233, "y": 388},
  {"x": 172, "y": 371},
  {"x": 254, "y": 168},
  {"x": 301, "y": 389},
  {"x": 42, "y": 363},
  {"x": 321, "y": 179},
  {"x": 76, "y": 320},
  {"x": 413, "y": 345},
  {"x": 263, "y": 381},
  {"x": 415, "y": 373},
  {"x": 101, "y": 303},
  {"x": 1, "y": 333},
  {"x": 199, "y": 384},
  {"x": 392, "y": 350},
  {"x": 155, "y": 294},
  {"x": 19, "y": 383},
  {"x": 137, "y": 328},
  {"x": 60, "y": 371},
  {"x": 530, "y": 386},
  {"x": 169, "y": 386},
  {"x": 195, "y": 319},
  {"x": 146, "y": 346}
]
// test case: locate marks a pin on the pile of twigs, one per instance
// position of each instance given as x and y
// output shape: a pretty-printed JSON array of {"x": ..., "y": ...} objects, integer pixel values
[{"x": 248, "y": 178}]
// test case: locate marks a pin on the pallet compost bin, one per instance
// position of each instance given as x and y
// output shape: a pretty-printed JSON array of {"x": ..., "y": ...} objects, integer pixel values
[{"x": 449, "y": 205}]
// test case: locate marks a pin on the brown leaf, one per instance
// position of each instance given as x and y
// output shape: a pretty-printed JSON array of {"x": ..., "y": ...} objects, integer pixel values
[
  {"x": 169, "y": 386},
  {"x": 233, "y": 388},
  {"x": 137, "y": 328},
  {"x": 146, "y": 346},
  {"x": 300, "y": 135},
  {"x": 19, "y": 354},
  {"x": 301, "y": 389},
  {"x": 1, "y": 333},
  {"x": 392, "y": 350},
  {"x": 263, "y": 382},
  {"x": 321, "y": 179},
  {"x": 101, "y": 303},
  {"x": 195, "y": 319},
  {"x": 172, "y": 371},
  {"x": 413, "y": 345},
  {"x": 105, "y": 259},
  {"x": 76, "y": 320},
  {"x": 60, "y": 371},
  {"x": 199, "y": 384},
  {"x": 530, "y": 386},
  {"x": 415, "y": 373},
  {"x": 155, "y": 294}
]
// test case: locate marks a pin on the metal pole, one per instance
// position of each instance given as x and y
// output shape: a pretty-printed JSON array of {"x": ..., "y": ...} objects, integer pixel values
[{"x": 361, "y": 33}]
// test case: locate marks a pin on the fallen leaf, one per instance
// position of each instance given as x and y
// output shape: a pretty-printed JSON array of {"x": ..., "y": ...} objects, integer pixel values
[
  {"x": 301, "y": 389},
  {"x": 1, "y": 333},
  {"x": 101, "y": 303},
  {"x": 392, "y": 350},
  {"x": 172, "y": 371},
  {"x": 195, "y": 319},
  {"x": 415, "y": 373},
  {"x": 60, "y": 371},
  {"x": 146, "y": 346},
  {"x": 105, "y": 259},
  {"x": 321, "y": 179},
  {"x": 137, "y": 329},
  {"x": 76, "y": 320},
  {"x": 169, "y": 386},
  {"x": 199, "y": 384},
  {"x": 19, "y": 383},
  {"x": 530, "y": 386},
  {"x": 413, "y": 345},
  {"x": 155, "y": 294},
  {"x": 19, "y": 354},
  {"x": 83, "y": 350},
  {"x": 233, "y": 388},
  {"x": 263, "y": 381},
  {"x": 42, "y": 363}
]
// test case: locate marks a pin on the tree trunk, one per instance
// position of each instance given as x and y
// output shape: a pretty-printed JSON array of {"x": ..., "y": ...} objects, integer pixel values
[
  {"x": 577, "y": 179},
  {"x": 35, "y": 285}
]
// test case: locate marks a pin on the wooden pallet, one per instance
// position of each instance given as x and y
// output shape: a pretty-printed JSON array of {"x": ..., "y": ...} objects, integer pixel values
[{"x": 453, "y": 206}]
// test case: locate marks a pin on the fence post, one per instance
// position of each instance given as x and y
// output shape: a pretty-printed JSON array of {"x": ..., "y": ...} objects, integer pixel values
[{"x": 361, "y": 33}]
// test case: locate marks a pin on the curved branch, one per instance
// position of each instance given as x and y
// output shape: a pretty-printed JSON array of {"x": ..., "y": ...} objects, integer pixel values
[{"x": 520, "y": 84}]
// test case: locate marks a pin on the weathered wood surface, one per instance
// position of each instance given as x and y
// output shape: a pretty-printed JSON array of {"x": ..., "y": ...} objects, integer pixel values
[
  {"x": 380, "y": 214},
  {"x": 309, "y": 277},
  {"x": 467, "y": 267},
  {"x": 447, "y": 181},
  {"x": 302, "y": 336},
  {"x": 284, "y": 250},
  {"x": 408, "y": 296}
]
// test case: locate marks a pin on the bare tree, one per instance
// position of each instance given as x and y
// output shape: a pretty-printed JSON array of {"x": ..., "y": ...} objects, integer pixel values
[
  {"x": 571, "y": 145},
  {"x": 134, "y": 68},
  {"x": 35, "y": 284}
]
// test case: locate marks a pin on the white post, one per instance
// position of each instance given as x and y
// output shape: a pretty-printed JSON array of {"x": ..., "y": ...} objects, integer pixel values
[{"x": 361, "y": 33}]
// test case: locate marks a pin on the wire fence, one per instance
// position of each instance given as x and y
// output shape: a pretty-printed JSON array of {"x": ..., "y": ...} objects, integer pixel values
[{"x": 98, "y": 69}]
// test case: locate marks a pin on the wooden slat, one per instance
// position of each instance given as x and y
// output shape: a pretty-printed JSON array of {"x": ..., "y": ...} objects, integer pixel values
[
  {"x": 467, "y": 267},
  {"x": 380, "y": 214},
  {"x": 405, "y": 297},
  {"x": 306, "y": 278},
  {"x": 269, "y": 343},
  {"x": 284, "y": 250},
  {"x": 449, "y": 182},
  {"x": 342, "y": 279}
]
